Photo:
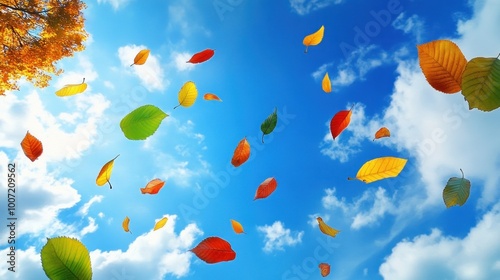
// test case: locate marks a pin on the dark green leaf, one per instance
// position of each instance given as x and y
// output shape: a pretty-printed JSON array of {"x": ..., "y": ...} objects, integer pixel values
[{"x": 269, "y": 124}]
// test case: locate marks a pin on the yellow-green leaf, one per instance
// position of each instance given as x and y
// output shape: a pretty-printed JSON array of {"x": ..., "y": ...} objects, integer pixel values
[
  {"x": 481, "y": 83},
  {"x": 72, "y": 89},
  {"x": 141, "y": 57},
  {"x": 326, "y": 84},
  {"x": 187, "y": 95},
  {"x": 160, "y": 223},
  {"x": 314, "y": 38},
  {"x": 457, "y": 191},
  {"x": 326, "y": 229},
  {"x": 66, "y": 258},
  {"x": 142, "y": 122},
  {"x": 105, "y": 173},
  {"x": 380, "y": 168}
]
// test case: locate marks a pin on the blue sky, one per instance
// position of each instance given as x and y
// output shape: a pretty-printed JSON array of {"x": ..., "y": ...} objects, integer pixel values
[{"x": 397, "y": 228}]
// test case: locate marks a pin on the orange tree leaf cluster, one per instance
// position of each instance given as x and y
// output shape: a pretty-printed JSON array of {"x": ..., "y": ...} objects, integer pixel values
[{"x": 35, "y": 35}]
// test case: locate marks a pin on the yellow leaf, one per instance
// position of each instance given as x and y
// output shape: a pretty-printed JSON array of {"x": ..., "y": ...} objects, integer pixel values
[
  {"x": 141, "y": 57},
  {"x": 380, "y": 168},
  {"x": 237, "y": 227},
  {"x": 160, "y": 223},
  {"x": 326, "y": 84},
  {"x": 187, "y": 94},
  {"x": 125, "y": 223},
  {"x": 72, "y": 89},
  {"x": 105, "y": 173},
  {"x": 314, "y": 39},
  {"x": 326, "y": 229}
]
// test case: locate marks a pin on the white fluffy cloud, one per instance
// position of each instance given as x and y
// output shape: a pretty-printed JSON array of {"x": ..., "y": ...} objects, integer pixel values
[
  {"x": 436, "y": 256},
  {"x": 179, "y": 60},
  {"x": 277, "y": 236},
  {"x": 304, "y": 7},
  {"x": 151, "y": 74}
]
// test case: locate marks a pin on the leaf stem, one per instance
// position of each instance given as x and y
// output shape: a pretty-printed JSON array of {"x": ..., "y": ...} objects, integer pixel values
[
  {"x": 462, "y": 173},
  {"x": 177, "y": 106},
  {"x": 110, "y": 186}
]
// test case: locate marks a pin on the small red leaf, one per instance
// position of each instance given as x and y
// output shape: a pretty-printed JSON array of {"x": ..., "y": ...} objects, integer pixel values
[
  {"x": 32, "y": 147},
  {"x": 325, "y": 269},
  {"x": 266, "y": 188},
  {"x": 153, "y": 187},
  {"x": 339, "y": 122},
  {"x": 201, "y": 56},
  {"x": 213, "y": 250}
]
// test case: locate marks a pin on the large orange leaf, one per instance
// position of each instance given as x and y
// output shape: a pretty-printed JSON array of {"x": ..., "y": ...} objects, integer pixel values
[
  {"x": 241, "y": 153},
  {"x": 443, "y": 64},
  {"x": 213, "y": 250},
  {"x": 339, "y": 122},
  {"x": 382, "y": 132},
  {"x": 237, "y": 227},
  {"x": 32, "y": 147},
  {"x": 201, "y": 56},
  {"x": 326, "y": 229},
  {"x": 105, "y": 173},
  {"x": 324, "y": 269},
  {"x": 266, "y": 188},
  {"x": 153, "y": 187}
]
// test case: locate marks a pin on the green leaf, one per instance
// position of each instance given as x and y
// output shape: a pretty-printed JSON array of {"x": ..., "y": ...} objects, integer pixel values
[
  {"x": 142, "y": 122},
  {"x": 269, "y": 124},
  {"x": 481, "y": 83},
  {"x": 66, "y": 259},
  {"x": 456, "y": 191}
]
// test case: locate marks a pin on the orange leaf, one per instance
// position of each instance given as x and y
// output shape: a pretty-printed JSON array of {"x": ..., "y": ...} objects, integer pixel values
[
  {"x": 266, "y": 188},
  {"x": 443, "y": 64},
  {"x": 241, "y": 153},
  {"x": 32, "y": 147},
  {"x": 125, "y": 223},
  {"x": 237, "y": 227},
  {"x": 382, "y": 132},
  {"x": 105, "y": 173},
  {"x": 211, "y": 96},
  {"x": 213, "y": 250},
  {"x": 326, "y": 84},
  {"x": 339, "y": 122},
  {"x": 201, "y": 56},
  {"x": 141, "y": 57},
  {"x": 153, "y": 187},
  {"x": 325, "y": 269}
]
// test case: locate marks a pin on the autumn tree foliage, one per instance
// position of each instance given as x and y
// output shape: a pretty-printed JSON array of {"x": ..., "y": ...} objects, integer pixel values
[{"x": 34, "y": 35}]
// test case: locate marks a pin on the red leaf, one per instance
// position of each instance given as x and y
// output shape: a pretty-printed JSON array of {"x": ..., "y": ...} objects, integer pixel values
[
  {"x": 213, "y": 250},
  {"x": 153, "y": 187},
  {"x": 266, "y": 188},
  {"x": 339, "y": 122},
  {"x": 32, "y": 147},
  {"x": 325, "y": 269},
  {"x": 201, "y": 56}
]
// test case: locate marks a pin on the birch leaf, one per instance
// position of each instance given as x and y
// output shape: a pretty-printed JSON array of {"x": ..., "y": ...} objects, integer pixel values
[{"x": 187, "y": 95}]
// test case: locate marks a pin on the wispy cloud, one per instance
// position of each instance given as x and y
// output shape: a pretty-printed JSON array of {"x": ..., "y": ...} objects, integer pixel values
[
  {"x": 304, "y": 7},
  {"x": 276, "y": 236},
  {"x": 116, "y": 4}
]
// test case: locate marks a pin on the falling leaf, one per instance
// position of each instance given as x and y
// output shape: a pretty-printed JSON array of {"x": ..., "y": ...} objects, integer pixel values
[
  {"x": 382, "y": 132},
  {"x": 324, "y": 269},
  {"x": 66, "y": 258},
  {"x": 153, "y": 187},
  {"x": 125, "y": 223},
  {"x": 340, "y": 122},
  {"x": 241, "y": 153},
  {"x": 72, "y": 89},
  {"x": 187, "y": 95},
  {"x": 213, "y": 250},
  {"x": 326, "y": 229},
  {"x": 32, "y": 147},
  {"x": 160, "y": 223},
  {"x": 266, "y": 188},
  {"x": 142, "y": 122},
  {"x": 481, "y": 83},
  {"x": 380, "y": 168},
  {"x": 457, "y": 191},
  {"x": 269, "y": 124},
  {"x": 442, "y": 63},
  {"x": 314, "y": 39},
  {"x": 237, "y": 227},
  {"x": 105, "y": 173},
  {"x": 201, "y": 56},
  {"x": 326, "y": 84},
  {"x": 141, "y": 57},
  {"x": 211, "y": 96}
]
